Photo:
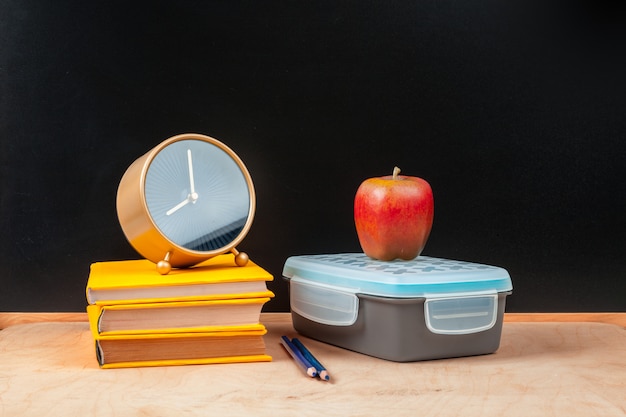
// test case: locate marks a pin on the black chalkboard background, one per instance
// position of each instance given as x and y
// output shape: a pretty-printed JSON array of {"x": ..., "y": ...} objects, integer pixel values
[{"x": 515, "y": 112}]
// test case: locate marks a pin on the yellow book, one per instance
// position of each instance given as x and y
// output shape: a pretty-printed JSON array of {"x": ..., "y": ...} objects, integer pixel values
[
  {"x": 171, "y": 317},
  {"x": 164, "y": 349},
  {"x": 137, "y": 281}
]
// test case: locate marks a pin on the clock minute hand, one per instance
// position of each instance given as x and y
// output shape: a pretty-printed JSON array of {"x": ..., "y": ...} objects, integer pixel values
[
  {"x": 193, "y": 196},
  {"x": 192, "y": 186}
]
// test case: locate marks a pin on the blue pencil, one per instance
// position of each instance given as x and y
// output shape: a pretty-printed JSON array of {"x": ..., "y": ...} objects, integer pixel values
[
  {"x": 298, "y": 357},
  {"x": 321, "y": 371}
]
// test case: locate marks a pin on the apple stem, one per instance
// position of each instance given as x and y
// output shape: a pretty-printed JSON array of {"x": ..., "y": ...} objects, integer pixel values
[{"x": 396, "y": 171}]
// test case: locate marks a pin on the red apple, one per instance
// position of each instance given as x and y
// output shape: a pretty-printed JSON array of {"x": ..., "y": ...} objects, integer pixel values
[{"x": 393, "y": 216}]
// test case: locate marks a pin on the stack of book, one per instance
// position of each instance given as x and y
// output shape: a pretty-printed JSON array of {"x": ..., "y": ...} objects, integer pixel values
[{"x": 206, "y": 314}]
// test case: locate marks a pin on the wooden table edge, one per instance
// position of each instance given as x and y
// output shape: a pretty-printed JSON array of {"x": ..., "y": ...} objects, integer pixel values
[{"x": 12, "y": 318}]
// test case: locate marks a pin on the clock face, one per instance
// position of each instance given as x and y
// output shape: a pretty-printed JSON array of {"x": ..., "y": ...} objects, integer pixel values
[{"x": 197, "y": 195}]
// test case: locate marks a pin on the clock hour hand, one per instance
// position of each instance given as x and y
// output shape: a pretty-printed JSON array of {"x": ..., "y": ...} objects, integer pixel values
[{"x": 178, "y": 206}]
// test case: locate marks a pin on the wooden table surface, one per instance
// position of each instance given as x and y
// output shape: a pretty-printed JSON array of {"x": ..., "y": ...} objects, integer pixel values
[{"x": 575, "y": 366}]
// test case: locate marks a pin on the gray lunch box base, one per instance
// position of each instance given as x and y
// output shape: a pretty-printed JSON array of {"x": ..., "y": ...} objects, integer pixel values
[{"x": 394, "y": 329}]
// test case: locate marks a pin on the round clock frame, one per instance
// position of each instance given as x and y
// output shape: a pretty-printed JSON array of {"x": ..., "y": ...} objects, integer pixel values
[{"x": 145, "y": 229}]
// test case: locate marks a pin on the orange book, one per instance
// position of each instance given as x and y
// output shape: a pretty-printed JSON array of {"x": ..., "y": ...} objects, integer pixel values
[
  {"x": 172, "y": 317},
  {"x": 193, "y": 348},
  {"x": 137, "y": 281}
]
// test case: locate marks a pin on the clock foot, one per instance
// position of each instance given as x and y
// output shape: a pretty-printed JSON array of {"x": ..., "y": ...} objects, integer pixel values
[
  {"x": 241, "y": 258},
  {"x": 164, "y": 267}
]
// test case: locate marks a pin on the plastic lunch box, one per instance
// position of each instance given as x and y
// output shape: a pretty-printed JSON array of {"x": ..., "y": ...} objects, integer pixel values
[{"x": 427, "y": 308}]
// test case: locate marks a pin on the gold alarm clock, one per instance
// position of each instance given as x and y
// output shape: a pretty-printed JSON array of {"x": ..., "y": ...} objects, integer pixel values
[{"x": 188, "y": 199}]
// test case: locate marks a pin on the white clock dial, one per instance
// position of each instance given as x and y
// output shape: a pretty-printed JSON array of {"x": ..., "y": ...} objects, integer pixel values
[{"x": 197, "y": 195}]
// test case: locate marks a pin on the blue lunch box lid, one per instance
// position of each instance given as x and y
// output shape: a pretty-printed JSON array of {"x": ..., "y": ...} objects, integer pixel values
[{"x": 422, "y": 277}]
